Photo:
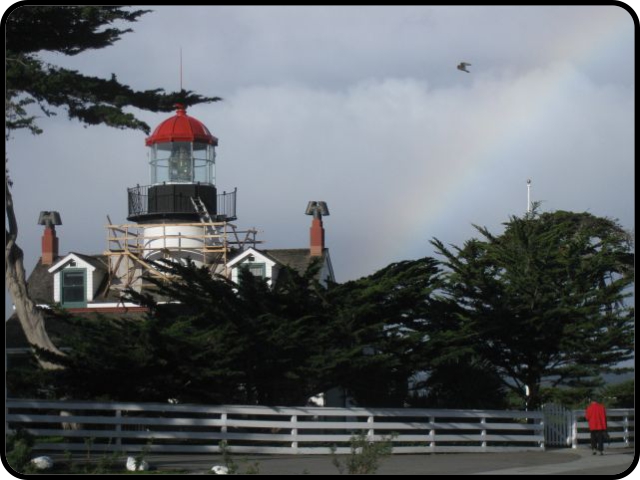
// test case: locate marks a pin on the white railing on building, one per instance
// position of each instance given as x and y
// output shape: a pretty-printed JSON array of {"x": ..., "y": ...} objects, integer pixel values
[{"x": 130, "y": 427}]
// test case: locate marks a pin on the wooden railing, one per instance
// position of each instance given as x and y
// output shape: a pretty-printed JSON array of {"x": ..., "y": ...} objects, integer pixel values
[{"x": 130, "y": 427}]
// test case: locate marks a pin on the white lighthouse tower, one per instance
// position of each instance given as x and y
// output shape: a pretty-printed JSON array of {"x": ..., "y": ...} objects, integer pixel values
[{"x": 180, "y": 215}]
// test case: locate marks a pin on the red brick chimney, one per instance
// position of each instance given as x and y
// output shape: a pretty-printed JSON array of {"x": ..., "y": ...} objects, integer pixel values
[
  {"x": 317, "y": 237},
  {"x": 317, "y": 209},
  {"x": 49, "y": 239},
  {"x": 49, "y": 245}
]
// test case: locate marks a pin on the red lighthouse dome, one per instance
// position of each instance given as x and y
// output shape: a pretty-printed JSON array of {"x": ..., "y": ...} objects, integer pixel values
[{"x": 181, "y": 128}]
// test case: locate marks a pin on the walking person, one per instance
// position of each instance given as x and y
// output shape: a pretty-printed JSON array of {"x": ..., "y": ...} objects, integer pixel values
[{"x": 596, "y": 415}]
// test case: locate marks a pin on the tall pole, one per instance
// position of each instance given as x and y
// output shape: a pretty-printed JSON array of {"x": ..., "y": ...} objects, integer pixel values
[{"x": 529, "y": 196}]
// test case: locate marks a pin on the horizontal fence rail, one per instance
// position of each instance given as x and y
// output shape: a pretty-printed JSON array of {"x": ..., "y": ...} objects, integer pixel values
[
  {"x": 131, "y": 427},
  {"x": 620, "y": 427}
]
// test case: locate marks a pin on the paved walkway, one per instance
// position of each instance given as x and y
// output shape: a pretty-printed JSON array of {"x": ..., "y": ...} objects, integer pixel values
[
  {"x": 555, "y": 462},
  {"x": 611, "y": 463}
]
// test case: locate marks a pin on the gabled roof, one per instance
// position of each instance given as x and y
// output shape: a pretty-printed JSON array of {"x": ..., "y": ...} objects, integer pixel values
[
  {"x": 247, "y": 253},
  {"x": 298, "y": 259},
  {"x": 40, "y": 282},
  {"x": 92, "y": 262}
]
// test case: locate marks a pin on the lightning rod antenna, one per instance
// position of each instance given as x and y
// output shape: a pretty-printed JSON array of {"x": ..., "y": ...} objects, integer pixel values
[
  {"x": 180, "y": 68},
  {"x": 529, "y": 195}
]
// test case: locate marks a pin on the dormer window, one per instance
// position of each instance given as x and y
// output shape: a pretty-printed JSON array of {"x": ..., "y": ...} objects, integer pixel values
[
  {"x": 76, "y": 278},
  {"x": 73, "y": 287},
  {"x": 255, "y": 269},
  {"x": 257, "y": 263}
]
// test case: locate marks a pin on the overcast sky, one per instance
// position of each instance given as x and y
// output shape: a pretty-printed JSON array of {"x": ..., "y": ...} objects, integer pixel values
[{"x": 361, "y": 107}]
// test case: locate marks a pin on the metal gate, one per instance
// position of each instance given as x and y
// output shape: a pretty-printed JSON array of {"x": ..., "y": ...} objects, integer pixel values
[{"x": 558, "y": 425}]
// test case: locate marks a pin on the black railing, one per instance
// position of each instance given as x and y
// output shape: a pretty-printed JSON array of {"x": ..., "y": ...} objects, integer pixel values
[
  {"x": 226, "y": 205},
  {"x": 174, "y": 200}
]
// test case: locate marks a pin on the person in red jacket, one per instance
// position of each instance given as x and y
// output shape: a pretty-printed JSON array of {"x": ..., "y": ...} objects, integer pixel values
[{"x": 596, "y": 415}]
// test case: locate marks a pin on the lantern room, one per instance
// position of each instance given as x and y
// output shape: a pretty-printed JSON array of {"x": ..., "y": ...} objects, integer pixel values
[
  {"x": 182, "y": 150},
  {"x": 182, "y": 160}
]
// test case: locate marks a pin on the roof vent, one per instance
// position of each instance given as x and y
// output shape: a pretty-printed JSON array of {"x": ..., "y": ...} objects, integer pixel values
[{"x": 49, "y": 219}]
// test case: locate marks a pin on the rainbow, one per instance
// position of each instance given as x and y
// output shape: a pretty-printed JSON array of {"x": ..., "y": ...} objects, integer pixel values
[{"x": 605, "y": 31}]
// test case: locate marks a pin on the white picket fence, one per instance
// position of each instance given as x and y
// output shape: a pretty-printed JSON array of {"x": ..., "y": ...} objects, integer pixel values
[{"x": 130, "y": 427}]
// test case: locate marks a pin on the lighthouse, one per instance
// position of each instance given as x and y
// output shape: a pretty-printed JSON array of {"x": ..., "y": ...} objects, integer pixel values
[{"x": 180, "y": 215}]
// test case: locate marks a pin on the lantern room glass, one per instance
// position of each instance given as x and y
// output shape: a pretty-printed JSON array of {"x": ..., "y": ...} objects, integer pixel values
[{"x": 182, "y": 162}]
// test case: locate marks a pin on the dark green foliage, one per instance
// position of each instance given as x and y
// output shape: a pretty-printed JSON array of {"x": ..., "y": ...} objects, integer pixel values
[
  {"x": 250, "y": 344},
  {"x": 106, "y": 357},
  {"x": 285, "y": 344},
  {"x": 542, "y": 305},
  {"x": 543, "y": 301},
  {"x": 465, "y": 383},
  {"x": 253, "y": 344},
  {"x": 365, "y": 456},
  {"x": 224, "y": 343},
  {"x": 24, "y": 378},
  {"x": 19, "y": 447},
  {"x": 71, "y": 30},
  {"x": 68, "y": 30},
  {"x": 619, "y": 395},
  {"x": 379, "y": 320}
]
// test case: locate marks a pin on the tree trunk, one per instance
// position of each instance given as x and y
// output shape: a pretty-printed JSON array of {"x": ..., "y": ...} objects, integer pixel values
[{"x": 31, "y": 318}]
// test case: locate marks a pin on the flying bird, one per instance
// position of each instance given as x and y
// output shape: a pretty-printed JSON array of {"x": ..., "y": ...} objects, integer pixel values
[{"x": 463, "y": 66}]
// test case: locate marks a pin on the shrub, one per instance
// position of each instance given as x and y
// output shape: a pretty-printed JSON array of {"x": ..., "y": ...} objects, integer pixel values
[{"x": 19, "y": 446}]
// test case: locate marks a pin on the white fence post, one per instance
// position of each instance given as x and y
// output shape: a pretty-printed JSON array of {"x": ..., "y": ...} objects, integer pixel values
[
  {"x": 483, "y": 421},
  {"x": 223, "y": 421},
  {"x": 571, "y": 418},
  {"x": 294, "y": 433},
  {"x": 574, "y": 431},
  {"x": 432, "y": 433},
  {"x": 626, "y": 429}
]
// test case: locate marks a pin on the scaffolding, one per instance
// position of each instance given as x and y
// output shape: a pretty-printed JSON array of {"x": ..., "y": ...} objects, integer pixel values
[{"x": 133, "y": 248}]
